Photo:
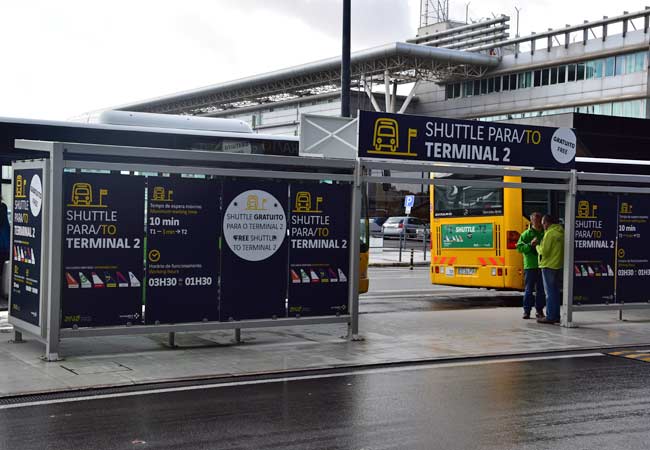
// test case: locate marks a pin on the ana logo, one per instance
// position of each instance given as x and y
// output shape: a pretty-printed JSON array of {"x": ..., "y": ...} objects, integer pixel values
[
  {"x": 386, "y": 138},
  {"x": 563, "y": 145}
]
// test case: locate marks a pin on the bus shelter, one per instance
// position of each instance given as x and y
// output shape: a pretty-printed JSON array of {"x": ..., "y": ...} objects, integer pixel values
[
  {"x": 606, "y": 222},
  {"x": 111, "y": 240}
]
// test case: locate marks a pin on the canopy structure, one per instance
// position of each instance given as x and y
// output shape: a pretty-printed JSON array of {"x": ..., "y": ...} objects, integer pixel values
[{"x": 390, "y": 64}]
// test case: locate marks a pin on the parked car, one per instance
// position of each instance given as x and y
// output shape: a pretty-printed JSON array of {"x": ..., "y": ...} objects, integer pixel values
[
  {"x": 375, "y": 224},
  {"x": 407, "y": 226}
]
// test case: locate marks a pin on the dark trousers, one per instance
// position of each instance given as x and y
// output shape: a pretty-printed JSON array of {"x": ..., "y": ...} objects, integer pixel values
[
  {"x": 552, "y": 284},
  {"x": 533, "y": 283}
]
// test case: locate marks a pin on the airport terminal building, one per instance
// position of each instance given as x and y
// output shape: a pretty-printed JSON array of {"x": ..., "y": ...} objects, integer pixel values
[{"x": 449, "y": 69}]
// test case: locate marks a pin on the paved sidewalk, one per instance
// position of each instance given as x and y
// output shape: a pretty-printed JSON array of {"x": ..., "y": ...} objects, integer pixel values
[
  {"x": 390, "y": 257},
  {"x": 389, "y": 338}
]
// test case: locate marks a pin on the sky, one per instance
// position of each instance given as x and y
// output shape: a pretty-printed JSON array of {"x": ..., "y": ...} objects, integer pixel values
[{"x": 66, "y": 57}]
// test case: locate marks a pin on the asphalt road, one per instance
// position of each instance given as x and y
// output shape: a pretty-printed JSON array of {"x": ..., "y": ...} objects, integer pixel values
[
  {"x": 595, "y": 402},
  {"x": 400, "y": 289}
]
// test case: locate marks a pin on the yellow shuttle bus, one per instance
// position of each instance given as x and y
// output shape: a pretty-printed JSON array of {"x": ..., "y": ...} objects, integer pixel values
[{"x": 474, "y": 232}]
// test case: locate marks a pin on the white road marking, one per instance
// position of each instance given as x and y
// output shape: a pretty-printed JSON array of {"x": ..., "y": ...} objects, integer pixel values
[{"x": 439, "y": 365}]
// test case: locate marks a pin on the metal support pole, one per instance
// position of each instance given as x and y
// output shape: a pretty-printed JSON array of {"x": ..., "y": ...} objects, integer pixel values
[
  {"x": 569, "y": 233},
  {"x": 407, "y": 102},
  {"x": 411, "y": 266},
  {"x": 345, "y": 61},
  {"x": 387, "y": 89},
  {"x": 238, "y": 335},
  {"x": 172, "y": 339},
  {"x": 372, "y": 98},
  {"x": 393, "y": 97},
  {"x": 54, "y": 264},
  {"x": 355, "y": 219},
  {"x": 400, "y": 247}
]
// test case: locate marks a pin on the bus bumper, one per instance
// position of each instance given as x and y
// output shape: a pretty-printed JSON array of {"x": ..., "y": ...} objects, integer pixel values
[{"x": 495, "y": 277}]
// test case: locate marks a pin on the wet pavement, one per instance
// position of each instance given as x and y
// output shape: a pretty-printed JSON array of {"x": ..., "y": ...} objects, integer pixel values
[
  {"x": 403, "y": 319},
  {"x": 582, "y": 402}
]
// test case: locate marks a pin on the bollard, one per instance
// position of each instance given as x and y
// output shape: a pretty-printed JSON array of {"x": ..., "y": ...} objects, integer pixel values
[
  {"x": 411, "y": 268},
  {"x": 424, "y": 246}
]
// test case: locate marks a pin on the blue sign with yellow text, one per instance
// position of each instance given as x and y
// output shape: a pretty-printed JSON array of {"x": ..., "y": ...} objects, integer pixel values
[{"x": 407, "y": 137}]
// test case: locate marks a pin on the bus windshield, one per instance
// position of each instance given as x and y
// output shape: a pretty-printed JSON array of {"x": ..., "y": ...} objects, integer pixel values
[{"x": 467, "y": 201}]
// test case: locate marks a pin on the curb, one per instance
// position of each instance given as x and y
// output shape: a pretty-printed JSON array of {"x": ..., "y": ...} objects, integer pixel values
[
  {"x": 399, "y": 264},
  {"x": 91, "y": 391}
]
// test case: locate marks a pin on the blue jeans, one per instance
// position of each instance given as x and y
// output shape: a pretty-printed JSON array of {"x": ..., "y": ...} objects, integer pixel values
[
  {"x": 534, "y": 283},
  {"x": 552, "y": 282}
]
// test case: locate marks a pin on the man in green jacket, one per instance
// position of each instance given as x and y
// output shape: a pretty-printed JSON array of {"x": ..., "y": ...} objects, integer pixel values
[
  {"x": 551, "y": 260},
  {"x": 532, "y": 274}
]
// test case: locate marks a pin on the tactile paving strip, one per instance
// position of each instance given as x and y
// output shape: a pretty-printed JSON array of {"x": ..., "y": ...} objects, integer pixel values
[{"x": 639, "y": 355}]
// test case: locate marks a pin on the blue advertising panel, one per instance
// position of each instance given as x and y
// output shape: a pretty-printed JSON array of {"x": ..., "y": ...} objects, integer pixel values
[
  {"x": 183, "y": 229},
  {"x": 319, "y": 230},
  {"x": 254, "y": 250},
  {"x": 595, "y": 246},
  {"x": 407, "y": 137},
  {"x": 633, "y": 271},
  {"x": 26, "y": 252},
  {"x": 103, "y": 249}
]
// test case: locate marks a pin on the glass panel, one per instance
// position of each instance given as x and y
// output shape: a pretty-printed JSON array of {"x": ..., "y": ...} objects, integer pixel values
[
  {"x": 561, "y": 74},
  {"x": 506, "y": 82},
  {"x": 483, "y": 86},
  {"x": 630, "y": 62},
  {"x": 538, "y": 78},
  {"x": 640, "y": 65},
  {"x": 617, "y": 109},
  {"x": 598, "y": 68},
  {"x": 468, "y": 89},
  {"x": 572, "y": 72},
  {"x": 589, "y": 70},
  {"x": 620, "y": 65},
  {"x": 580, "y": 72},
  {"x": 513, "y": 81},
  {"x": 609, "y": 66},
  {"x": 477, "y": 87},
  {"x": 554, "y": 75},
  {"x": 497, "y": 84},
  {"x": 466, "y": 201},
  {"x": 529, "y": 79},
  {"x": 457, "y": 90},
  {"x": 490, "y": 85},
  {"x": 544, "y": 77}
]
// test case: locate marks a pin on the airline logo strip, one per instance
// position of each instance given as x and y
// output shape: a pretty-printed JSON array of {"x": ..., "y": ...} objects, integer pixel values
[
  {"x": 103, "y": 247},
  {"x": 595, "y": 248},
  {"x": 26, "y": 250},
  {"x": 255, "y": 251},
  {"x": 319, "y": 249},
  {"x": 183, "y": 229},
  {"x": 407, "y": 137}
]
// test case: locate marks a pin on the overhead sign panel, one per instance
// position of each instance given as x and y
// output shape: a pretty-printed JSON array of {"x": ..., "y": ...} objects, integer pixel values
[{"x": 407, "y": 137}]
